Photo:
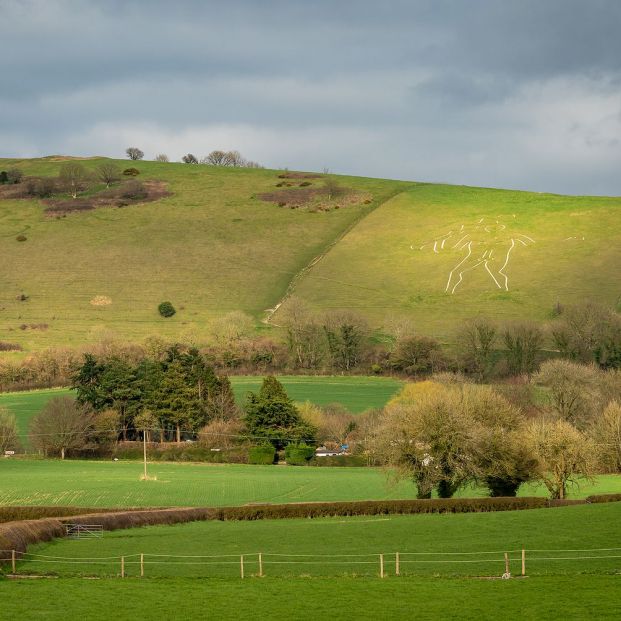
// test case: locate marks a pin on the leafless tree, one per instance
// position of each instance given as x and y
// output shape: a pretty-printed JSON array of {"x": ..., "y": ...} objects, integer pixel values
[
  {"x": 233, "y": 158},
  {"x": 133, "y": 153},
  {"x": 62, "y": 425},
  {"x": 476, "y": 339},
  {"x": 215, "y": 158},
  {"x": 305, "y": 336},
  {"x": 572, "y": 389},
  {"x": 564, "y": 454},
  {"x": 332, "y": 188},
  {"x": 73, "y": 178},
  {"x": 606, "y": 432},
  {"x": 108, "y": 173},
  {"x": 523, "y": 341},
  {"x": 161, "y": 157},
  {"x": 9, "y": 439}
]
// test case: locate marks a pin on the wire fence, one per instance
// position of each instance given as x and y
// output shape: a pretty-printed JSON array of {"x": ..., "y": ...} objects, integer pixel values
[{"x": 497, "y": 563}]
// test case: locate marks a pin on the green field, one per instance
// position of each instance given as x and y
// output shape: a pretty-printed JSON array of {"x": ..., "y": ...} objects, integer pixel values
[
  {"x": 356, "y": 394},
  {"x": 471, "y": 544},
  {"x": 567, "y": 249},
  {"x": 117, "y": 484},
  {"x": 573, "y": 598},
  {"x": 317, "y": 587},
  {"x": 210, "y": 248}
]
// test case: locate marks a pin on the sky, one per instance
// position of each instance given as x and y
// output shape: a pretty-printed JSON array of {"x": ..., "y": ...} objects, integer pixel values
[{"x": 499, "y": 93}]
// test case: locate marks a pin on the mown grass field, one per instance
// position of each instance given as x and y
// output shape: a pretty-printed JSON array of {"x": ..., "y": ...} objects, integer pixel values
[
  {"x": 356, "y": 394},
  {"x": 210, "y": 248},
  {"x": 117, "y": 484},
  {"x": 567, "y": 249},
  {"x": 308, "y": 599},
  {"x": 470, "y": 544}
]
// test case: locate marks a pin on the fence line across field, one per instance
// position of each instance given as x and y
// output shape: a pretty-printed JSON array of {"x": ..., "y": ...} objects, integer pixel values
[{"x": 385, "y": 562}]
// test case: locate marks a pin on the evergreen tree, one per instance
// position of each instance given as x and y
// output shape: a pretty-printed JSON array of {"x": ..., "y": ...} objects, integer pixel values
[
  {"x": 272, "y": 415},
  {"x": 86, "y": 381},
  {"x": 177, "y": 403}
]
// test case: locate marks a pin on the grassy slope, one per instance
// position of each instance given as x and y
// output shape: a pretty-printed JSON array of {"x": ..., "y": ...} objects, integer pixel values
[
  {"x": 354, "y": 393},
  {"x": 210, "y": 248},
  {"x": 374, "y": 269},
  {"x": 483, "y": 536},
  {"x": 117, "y": 484}
]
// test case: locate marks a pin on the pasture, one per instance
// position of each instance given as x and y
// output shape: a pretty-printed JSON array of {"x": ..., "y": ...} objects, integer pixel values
[
  {"x": 448, "y": 545},
  {"x": 210, "y": 248},
  {"x": 568, "y": 588},
  {"x": 354, "y": 393},
  {"x": 117, "y": 484},
  {"x": 439, "y": 254},
  {"x": 569, "y": 598}
]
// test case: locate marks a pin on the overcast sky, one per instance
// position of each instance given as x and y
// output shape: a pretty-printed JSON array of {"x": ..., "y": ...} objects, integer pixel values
[{"x": 504, "y": 93}]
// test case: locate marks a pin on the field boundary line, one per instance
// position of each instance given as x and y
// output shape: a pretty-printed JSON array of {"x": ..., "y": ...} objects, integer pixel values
[{"x": 270, "y": 312}]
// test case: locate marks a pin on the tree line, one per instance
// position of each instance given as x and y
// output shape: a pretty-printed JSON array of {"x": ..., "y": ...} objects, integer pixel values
[
  {"x": 443, "y": 433},
  {"x": 216, "y": 158},
  {"x": 343, "y": 342}
]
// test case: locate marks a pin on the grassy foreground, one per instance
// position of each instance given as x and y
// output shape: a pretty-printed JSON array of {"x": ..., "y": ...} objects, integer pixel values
[
  {"x": 117, "y": 484},
  {"x": 564, "y": 597},
  {"x": 445, "y": 545}
]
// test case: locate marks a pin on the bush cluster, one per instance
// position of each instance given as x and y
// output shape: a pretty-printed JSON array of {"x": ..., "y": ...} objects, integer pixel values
[
  {"x": 298, "y": 454},
  {"x": 264, "y": 454},
  {"x": 14, "y": 514},
  {"x": 378, "y": 507},
  {"x": 166, "y": 309},
  {"x": 182, "y": 452}
]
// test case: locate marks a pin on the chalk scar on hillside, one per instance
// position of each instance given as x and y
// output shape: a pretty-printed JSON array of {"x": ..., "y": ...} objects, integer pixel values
[{"x": 487, "y": 244}]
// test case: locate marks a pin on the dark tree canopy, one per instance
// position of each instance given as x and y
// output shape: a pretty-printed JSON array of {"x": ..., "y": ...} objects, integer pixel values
[
  {"x": 270, "y": 414},
  {"x": 134, "y": 153}
]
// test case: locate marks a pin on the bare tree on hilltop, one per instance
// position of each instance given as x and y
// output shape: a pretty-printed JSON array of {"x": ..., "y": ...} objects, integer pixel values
[{"x": 228, "y": 158}]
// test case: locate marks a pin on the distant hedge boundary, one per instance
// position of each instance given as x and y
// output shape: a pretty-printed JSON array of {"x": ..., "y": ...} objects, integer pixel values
[
  {"x": 17, "y": 513},
  {"x": 17, "y": 535}
]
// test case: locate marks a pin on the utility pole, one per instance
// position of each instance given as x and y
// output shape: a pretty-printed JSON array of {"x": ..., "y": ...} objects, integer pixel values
[{"x": 144, "y": 447}]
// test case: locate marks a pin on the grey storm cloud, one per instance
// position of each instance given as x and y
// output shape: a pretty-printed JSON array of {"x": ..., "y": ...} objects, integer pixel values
[{"x": 505, "y": 93}]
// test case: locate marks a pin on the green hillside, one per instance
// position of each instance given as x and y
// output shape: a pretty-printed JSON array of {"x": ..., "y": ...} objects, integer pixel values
[
  {"x": 210, "y": 248},
  {"x": 434, "y": 253},
  {"x": 407, "y": 256}
]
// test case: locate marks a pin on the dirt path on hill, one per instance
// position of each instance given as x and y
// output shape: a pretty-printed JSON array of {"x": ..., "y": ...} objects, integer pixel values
[{"x": 270, "y": 312}]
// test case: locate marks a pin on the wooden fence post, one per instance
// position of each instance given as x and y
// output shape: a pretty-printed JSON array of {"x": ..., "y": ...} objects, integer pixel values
[
  {"x": 241, "y": 565},
  {"x": 13, "y": 560},
  {"x": 260, "y": 565},
  {"x": 397, "y": 565},
  {"x": 142, "y": 565},
  {"x": 122, "y": 567},
  {"x": 381, "y": 565},
  {"x": 523, "y": 562}
]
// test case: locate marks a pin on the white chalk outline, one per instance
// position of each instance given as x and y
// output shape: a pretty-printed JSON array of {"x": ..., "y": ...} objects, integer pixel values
[{"x": 465, "y": 242}]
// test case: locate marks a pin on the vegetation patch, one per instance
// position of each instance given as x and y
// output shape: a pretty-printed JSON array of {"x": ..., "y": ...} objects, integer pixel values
[
  {"x": 299, "y": 175},
  {"x": 330, "y": 195},
  {"x": 101, "y": 300},
  {"x": 124, "y": 195},
  {"x": 4, "y": 346},
  {"x": 166, "y": 309}
]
